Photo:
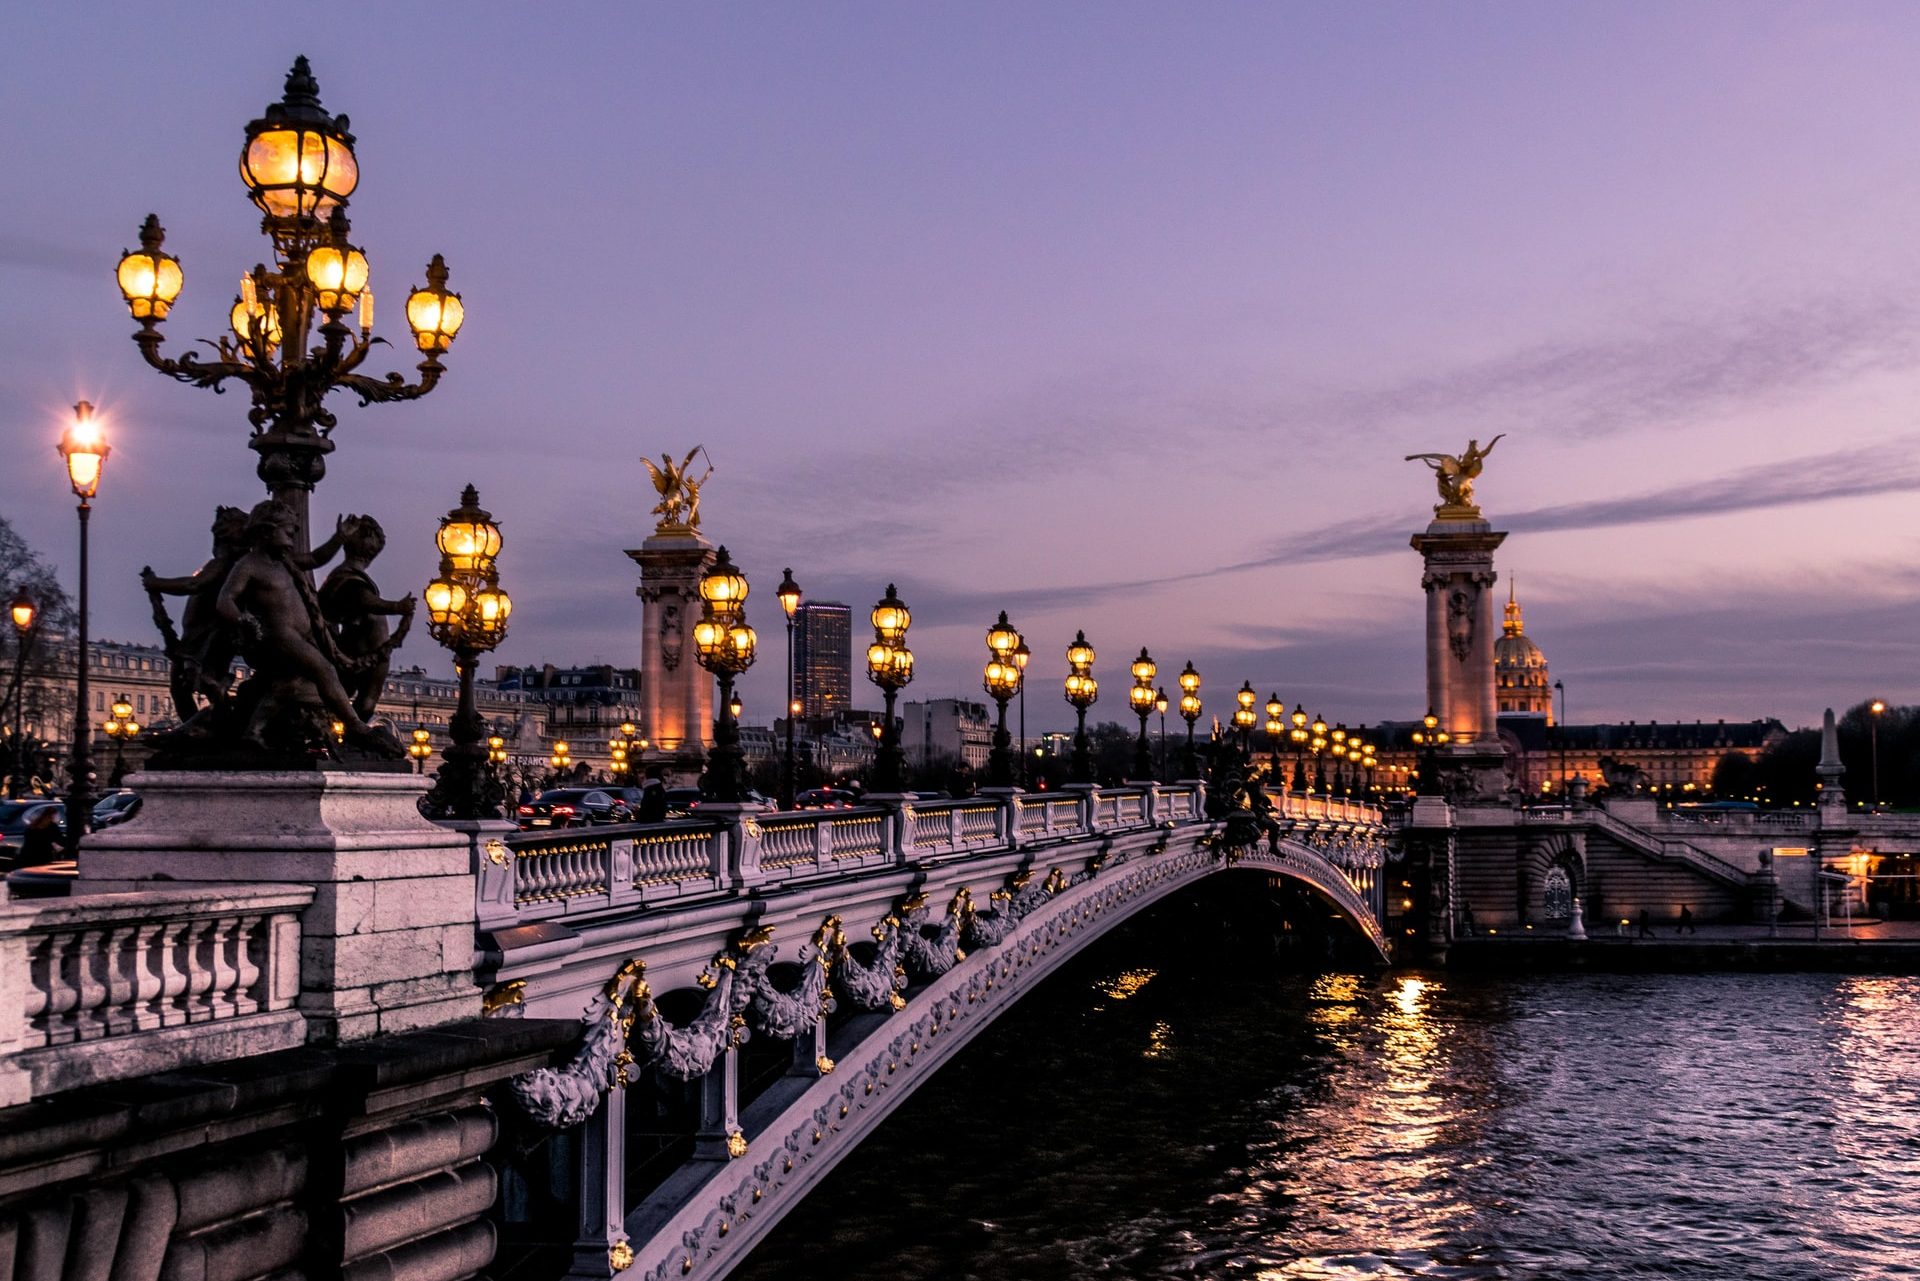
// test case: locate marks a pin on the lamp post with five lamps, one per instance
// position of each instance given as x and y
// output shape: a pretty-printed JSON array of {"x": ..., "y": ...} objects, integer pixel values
[
  {"x": 1190, "y": 712},
  {"x": 299, "y": 168},
  {"x": 122, "y": 729},
  {"x": 890, "y": 666}
]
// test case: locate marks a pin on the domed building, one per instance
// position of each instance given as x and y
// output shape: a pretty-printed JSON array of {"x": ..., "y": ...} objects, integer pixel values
[{"x": 1520, "y": 680}]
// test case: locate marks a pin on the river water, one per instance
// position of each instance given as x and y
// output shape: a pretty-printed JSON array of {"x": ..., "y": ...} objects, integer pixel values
[{"x": 1226, "y": 1114}]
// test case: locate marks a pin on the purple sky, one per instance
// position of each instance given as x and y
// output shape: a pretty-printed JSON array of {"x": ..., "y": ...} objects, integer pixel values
[{"x": 1117, "y": 316}]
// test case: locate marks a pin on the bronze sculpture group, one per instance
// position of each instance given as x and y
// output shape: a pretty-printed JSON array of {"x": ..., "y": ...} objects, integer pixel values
[{"x": 316, "y": 660}]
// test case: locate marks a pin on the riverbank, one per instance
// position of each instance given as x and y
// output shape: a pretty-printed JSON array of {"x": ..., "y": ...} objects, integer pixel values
[{"x": 1864, "y": 947}]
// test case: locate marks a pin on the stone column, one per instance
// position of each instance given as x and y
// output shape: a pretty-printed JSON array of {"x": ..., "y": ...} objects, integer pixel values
[
  {"x": 1458, "y": 578},
  {"x": 676, "y": 693}
]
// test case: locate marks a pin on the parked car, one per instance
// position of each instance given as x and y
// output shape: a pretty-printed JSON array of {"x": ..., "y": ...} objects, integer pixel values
[
  {"x": 115, "y": 808},
  {"x": 574, "y": 807},
  {"x": 682, "y": 801},
  {"x": 825, "y": 798}
]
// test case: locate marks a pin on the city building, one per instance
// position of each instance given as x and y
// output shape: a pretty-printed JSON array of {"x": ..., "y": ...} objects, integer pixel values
[
  {"x": 946, "y": 730},
  {"x": 823, "y": 658},
  {"x": 585, "y": 706}
]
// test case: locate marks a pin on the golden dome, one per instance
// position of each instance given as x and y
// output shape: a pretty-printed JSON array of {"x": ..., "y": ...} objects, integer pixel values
[{"x": 1522, "y": 686}]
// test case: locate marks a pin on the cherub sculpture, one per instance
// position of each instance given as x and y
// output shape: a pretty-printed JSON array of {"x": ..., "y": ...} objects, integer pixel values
[
  {"x": 679, "y": 506},
  {"x": 268, "y": 602},
  {"x": 202, "y": 652},
  {"x": 1455, "y": 475},
  {"x": 358, "y": 613}
]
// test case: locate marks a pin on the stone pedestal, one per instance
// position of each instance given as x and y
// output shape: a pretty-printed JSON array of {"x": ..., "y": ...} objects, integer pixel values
[
  {"x": 387, "y": 944},
  {"x": 1458, "y": 577},
  {"x": 676, "y": 693}
]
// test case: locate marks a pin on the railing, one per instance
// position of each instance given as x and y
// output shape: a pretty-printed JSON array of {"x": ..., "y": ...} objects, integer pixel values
[
  {"x": 159, "y": 973},
  {"x": 528, "y": 877}
]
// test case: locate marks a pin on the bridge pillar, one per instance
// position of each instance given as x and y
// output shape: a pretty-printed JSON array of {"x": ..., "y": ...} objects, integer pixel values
[
  {"x": 718, "y": 1136},
  {"x": 602, "y": 1164},
  {"x": 676, "y": 694},
  {"x": 1458, "y": 577}
]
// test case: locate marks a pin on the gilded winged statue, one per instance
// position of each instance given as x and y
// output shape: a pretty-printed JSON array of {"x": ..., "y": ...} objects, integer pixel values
[
  {"x": 679, "y": 506},
  {"x": 1455, "y": 475}
]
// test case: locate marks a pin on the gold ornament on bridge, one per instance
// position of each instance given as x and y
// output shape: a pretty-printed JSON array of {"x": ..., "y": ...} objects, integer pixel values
[
  {"x": 679, "y": 506},
  {"x": 1455, "y": 477}
]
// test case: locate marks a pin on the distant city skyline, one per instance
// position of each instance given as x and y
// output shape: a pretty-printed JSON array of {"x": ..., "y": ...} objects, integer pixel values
[{"x": 1117, "y": 319}]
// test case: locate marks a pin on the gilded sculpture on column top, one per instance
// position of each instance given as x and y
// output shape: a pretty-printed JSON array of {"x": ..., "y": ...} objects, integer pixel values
[
  {"x": 1455, "y": 476},
  {"x": 679, "y": 505}
]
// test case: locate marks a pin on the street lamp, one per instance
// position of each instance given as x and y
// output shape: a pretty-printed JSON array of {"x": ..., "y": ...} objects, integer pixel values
[
  {"x": 1002, "y": 680},
  {"x": 1142, "y": 698},
  {"x": 789, "y": 595},
  {"x": 1877, "y": 708},
  {"x": 890, "y": 666},
  {"x": 467, "y": 612},
  {"x": 1160, "y": 705},
  {"x": 120, "y": 727},
  {"x": 84, "y": 448},
  {"x": 1429, "y": 738},
  {"x": 24, "y": 613},
  {"x": 724, "y": 643},
  {"x": 1298, "y": 735},
  {"x": 1566, "y": 794},
  {"x": 299, "y": 168},
  {"x": 1021, "y": 657},
  {"x": 1244, "y": 718},
  {"x": 561, "y": 757},
  {"x": 1190, "y": 712},
  {"x": 420, "y": 748},
  {"x": 1337, "y": 754},
  {"x": 1276, "y": 731},
  {"x": 1082, "y": 690},
  {"x": 1316, "y": 744}
]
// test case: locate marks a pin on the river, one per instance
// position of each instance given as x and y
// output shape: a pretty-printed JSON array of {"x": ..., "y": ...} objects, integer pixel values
[{"x": 1154, "y": 1112}]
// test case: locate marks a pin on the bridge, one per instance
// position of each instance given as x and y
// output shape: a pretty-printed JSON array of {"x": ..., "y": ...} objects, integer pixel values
[{"x": 772, "y": 985}]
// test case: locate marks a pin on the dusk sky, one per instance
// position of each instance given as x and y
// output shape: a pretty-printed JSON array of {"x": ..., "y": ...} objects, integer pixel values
[{"x": 1116, "y": 316}]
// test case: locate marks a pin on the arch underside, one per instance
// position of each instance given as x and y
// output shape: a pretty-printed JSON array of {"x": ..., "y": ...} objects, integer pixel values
[{"x": 703, "y": 1220}]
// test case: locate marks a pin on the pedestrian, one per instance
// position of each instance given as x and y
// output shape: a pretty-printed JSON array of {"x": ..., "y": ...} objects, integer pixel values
[
  {"x": 1686, "y": 920},
  {"x": 1466, "y": 919},
  {"x": 38, "y": 844},
  {"x": 1646, "y": 922},
  {"x": 653, "y": 799}
]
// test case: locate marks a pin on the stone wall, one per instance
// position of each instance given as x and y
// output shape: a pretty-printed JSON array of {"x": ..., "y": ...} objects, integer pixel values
[{"x": 365, "y": 1162}]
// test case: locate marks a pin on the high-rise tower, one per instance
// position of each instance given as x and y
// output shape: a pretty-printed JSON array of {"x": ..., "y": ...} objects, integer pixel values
[{"x": 823, "y": 658}]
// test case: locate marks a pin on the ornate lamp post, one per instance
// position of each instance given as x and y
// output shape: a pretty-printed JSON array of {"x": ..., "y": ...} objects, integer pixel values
[
  {"x": 1160, "y": 705},
  {"x": 561, "y": 758},
  {"x": 420, "y": 748},
  {"x": 299, "y": 168},
  {"x": 24, "y": 614},
  {"x": 467, "y": 612},
  {"x": 1002, "y": 681},
  {"x": 1141, "y": 698},
  {"x": 1082, "y": 691},
  {"x": 1337, "y": 756},
  {"x": 1244, "y": 717},
  {"x": 1429, "y": 738},
  {"x": 1021, "y": 657},
  {"x": 85, "y": 450},
  {"x": 120, "y": 727},
  {"x": 725, "y": 643},
  {"x": 789, "y": 594},
  {"x": 890, "y": 666},
  {"x": 1316, "y": 744},
  {"x": 1190, "y": 712},
  {"x": 1276, "y": 731},
  {"x": 1298, "y": 735},
  {"x": 617, "y": 763}
]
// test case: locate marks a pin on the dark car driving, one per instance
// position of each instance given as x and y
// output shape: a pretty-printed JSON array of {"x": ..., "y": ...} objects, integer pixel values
[
  {"x": 574, "y": 807},
  {"x": 19, "y": 843}
]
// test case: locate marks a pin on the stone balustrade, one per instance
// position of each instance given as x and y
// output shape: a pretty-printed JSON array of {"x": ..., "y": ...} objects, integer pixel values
[
  {"x": 524, "y": 878},
  {"x": 159, "y": 980}
]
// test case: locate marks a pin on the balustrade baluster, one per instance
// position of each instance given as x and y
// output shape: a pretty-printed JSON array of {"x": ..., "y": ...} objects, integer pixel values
[
  {"x": 89, "y": 961},
  {"x": 220, "y": 995},
  {"x": 48, "y": 996},
  {"x": 172, "y": 964},
  {"x": 247, "y": 935},
  {"x": 122, "y": 972}
]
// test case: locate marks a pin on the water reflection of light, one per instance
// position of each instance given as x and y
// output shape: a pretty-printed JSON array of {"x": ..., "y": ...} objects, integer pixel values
[
  {"x": 1128, "y": 983},
  {"x": 1159, "y": 1041}
]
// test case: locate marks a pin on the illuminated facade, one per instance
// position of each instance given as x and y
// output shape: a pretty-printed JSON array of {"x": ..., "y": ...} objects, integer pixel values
[
  {"x": 823, "y": 658},
  {"x": 1521, "y": 684}
]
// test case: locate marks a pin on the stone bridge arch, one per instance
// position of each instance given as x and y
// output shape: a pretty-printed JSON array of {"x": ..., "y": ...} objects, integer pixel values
[{"x": 753, "y": 1165}]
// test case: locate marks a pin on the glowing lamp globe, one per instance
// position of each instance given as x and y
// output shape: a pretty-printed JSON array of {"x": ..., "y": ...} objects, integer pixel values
[{"x": 149, "y": 280}]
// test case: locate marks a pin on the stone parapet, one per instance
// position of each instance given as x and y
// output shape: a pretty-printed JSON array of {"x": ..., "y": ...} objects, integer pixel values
[{"x": 387, "y": 942}]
